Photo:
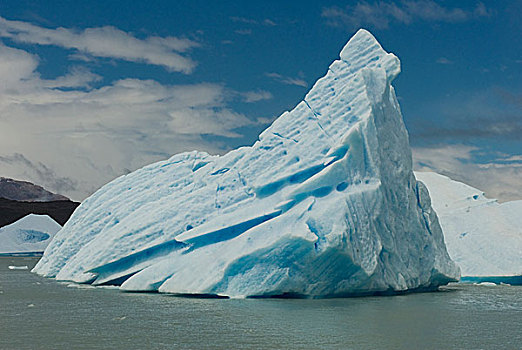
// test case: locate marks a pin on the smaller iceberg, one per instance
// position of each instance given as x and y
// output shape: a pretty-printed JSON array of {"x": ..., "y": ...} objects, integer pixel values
[
  {"x": 482, "y": 236},
  {"x": 28, "y": 236}
]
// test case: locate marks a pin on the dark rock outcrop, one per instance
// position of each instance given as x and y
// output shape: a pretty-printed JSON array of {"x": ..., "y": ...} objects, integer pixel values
[
  {"x": 11, "y": 211},
  {"x": 20, "y": 198}
]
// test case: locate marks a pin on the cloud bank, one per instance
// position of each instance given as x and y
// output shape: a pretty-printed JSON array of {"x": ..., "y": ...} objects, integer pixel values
[
  {"x": 106, "y": 42},
  {"x": 72, "y": 138},
  {"x": 499, "y": 178}
]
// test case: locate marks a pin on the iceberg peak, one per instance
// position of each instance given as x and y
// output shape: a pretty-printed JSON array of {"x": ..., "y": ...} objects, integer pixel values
[
  {"x": 323, "y": 204},
  {"x": 364, "y": 49}
]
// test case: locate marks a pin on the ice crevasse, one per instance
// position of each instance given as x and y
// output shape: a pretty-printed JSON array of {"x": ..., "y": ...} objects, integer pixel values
[{"x": 324, "y": 204}]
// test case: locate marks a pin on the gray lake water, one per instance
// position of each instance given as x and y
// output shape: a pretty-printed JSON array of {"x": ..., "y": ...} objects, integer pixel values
[{"x": 39, "y": 313}]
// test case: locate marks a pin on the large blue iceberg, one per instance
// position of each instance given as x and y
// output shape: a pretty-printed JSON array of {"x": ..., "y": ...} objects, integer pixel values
[{"x": 324, "y": 204}]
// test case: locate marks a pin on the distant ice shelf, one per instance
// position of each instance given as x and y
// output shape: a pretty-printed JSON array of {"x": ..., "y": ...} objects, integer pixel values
[
  {"x": 324, "y": 204},
  {"x": 483, "y": 237}
]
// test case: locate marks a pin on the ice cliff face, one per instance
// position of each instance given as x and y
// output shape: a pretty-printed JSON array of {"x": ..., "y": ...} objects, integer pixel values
[
  {"x": 483, "y": 236},
  {"x": 324, "y": 204}
]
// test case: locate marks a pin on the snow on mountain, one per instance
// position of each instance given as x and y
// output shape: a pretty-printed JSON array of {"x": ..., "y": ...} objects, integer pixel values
[
  {"x": 30, "y": 234},
  {"x": 325, "y": 203},
  {"x": 482, "y": 236}
]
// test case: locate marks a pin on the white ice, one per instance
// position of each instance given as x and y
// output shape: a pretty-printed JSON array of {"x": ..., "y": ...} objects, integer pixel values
[
  {"x": 323, "y": 204},
  {"x": 483, "y": 237}
]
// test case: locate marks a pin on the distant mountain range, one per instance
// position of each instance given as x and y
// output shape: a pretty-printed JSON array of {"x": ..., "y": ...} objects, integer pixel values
[
  {"x": 20, "y": 198},
  {"x": 26, "y": 191}
]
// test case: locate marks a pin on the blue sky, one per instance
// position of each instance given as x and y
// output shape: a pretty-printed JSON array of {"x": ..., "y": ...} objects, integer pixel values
[{"x": 94, "y": 89}]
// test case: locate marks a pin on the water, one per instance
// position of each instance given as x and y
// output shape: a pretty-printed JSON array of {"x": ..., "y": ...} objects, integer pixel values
[{"x": 38, "y": 313}]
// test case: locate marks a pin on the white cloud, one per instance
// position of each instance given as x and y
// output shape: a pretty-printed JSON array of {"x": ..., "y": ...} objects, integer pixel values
[
  {"x": 76, "y": 139},
  {"x": 287, "y": 80},
  {"x": 78, "y": 56},
  {"x": 15, "y": 65},
  {"x": 78, "y": 77},
  {"x": 107, "y": 42},
  {"x": 39, "y": 172},
  {"x": 516, "y": 158},
  {"x": 380, "y": 14},
  {"x": 499, "y": 178},
  {"x": 255, "y": 96}
]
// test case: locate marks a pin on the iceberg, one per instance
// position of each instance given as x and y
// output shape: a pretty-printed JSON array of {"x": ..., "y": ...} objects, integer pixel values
[
  {"x": 324, "y": 204},
  {"x": 482, "y": 236},
  {"x": 13, "y": 267},
  {"x": 29, "y": 235}
]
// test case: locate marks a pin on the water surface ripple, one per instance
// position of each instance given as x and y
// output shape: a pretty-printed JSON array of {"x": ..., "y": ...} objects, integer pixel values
[{"x": 39, "y": 313}]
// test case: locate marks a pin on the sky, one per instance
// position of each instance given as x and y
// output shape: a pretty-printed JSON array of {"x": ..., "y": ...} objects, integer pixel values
[{"x": 91, "y": 90}]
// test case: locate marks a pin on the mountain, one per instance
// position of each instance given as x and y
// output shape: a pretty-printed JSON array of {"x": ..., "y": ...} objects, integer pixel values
[
  {"x": 21, "y": 198},
  {"x": 483, "y": 236},
  {"x": 26, "y": 191},
  {"x": 324, "y": 204},
  {"x": 29, "y": 235}
]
